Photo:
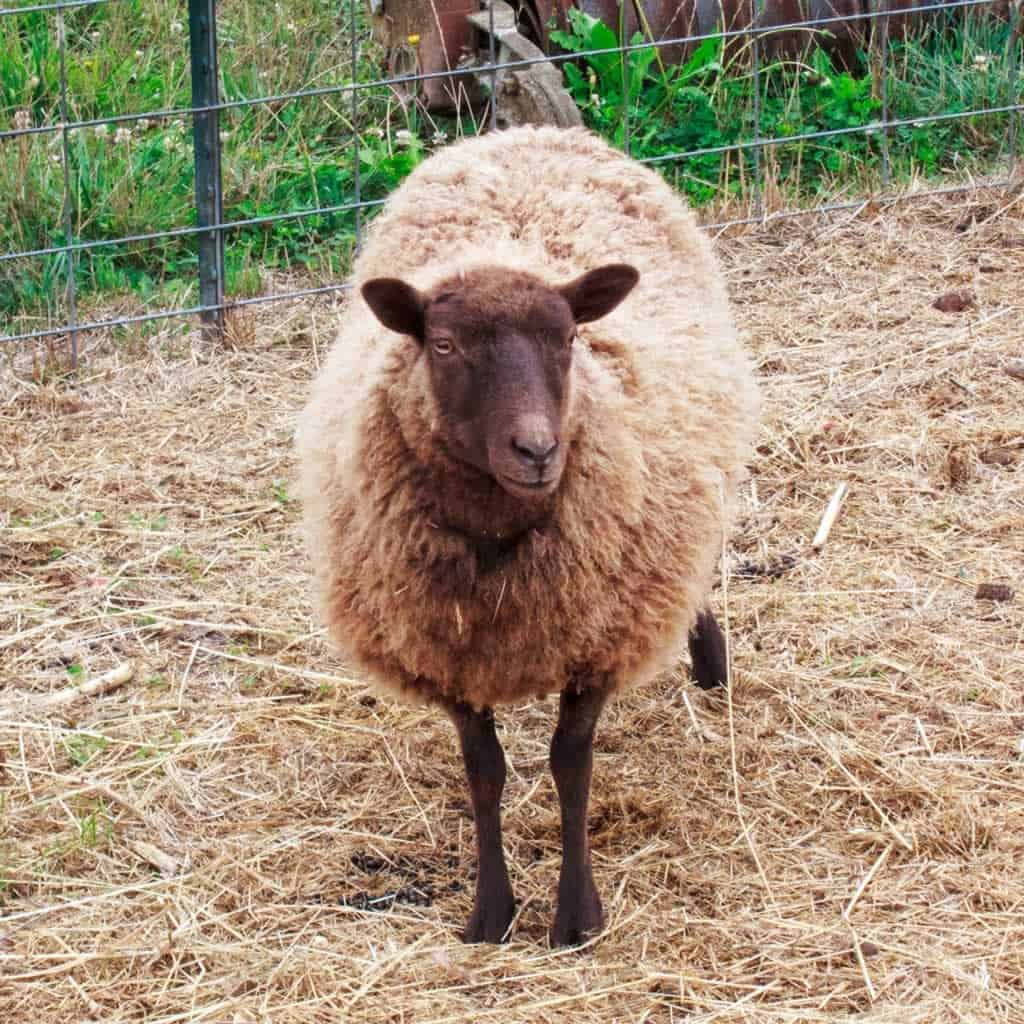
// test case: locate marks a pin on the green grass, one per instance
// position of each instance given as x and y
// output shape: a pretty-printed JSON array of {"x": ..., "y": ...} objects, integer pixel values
[
  {"x": 708, "y": 103},
  {"x": 132, "y": 56}
]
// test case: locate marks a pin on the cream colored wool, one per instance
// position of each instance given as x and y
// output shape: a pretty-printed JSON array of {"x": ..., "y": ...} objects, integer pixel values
[{"x": 663, "y": 421}]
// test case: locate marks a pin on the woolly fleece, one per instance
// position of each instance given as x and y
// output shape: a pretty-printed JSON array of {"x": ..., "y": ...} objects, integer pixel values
[{"x": 603, "y": 590}]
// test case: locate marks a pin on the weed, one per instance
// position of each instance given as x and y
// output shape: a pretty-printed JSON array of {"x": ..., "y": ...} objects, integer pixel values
[{"x": 83, "y": 747}]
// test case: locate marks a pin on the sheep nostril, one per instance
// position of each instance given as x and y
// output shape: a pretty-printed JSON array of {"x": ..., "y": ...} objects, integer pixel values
[{"x": 537, "y": 452}]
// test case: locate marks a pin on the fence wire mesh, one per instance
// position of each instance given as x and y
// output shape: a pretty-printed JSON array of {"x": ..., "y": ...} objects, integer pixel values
[{"x": 38, "y": 109}]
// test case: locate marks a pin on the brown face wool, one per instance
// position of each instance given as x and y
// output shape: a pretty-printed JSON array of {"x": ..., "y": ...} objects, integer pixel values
[{"x": 604, "y": 580}]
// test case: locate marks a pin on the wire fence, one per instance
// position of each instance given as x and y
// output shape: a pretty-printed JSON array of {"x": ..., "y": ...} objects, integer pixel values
[{"x": 211, "y": 228}]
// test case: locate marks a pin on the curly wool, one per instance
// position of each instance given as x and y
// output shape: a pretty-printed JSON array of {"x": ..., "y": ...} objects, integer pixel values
[{"x": 417, "y": 581}]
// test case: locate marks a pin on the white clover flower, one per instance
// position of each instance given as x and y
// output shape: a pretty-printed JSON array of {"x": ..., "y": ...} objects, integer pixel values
[
  {"x": 33, "y": 81},
  {"x": 439, "y": 138},
  {"x": 122, "y": 135},
  {"x": 102, "y": 130},
  {"x": 143, "y": 123},
  {"x": 403, "y": 137},
  {"x": 22, "y": 120},
  {"x": 140, "y": 53},
  {"x": 176, "y": 26}
]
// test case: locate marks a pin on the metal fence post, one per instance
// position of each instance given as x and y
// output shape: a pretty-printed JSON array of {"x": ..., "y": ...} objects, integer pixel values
[{"x": 202, "y": 28}]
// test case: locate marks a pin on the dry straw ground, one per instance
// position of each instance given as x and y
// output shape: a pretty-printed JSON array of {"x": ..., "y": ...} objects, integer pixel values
[{"x": 241, "y": 833}]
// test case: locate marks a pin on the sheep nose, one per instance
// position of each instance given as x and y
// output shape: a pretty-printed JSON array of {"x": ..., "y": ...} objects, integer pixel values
[{"x": 536, "y": 450}]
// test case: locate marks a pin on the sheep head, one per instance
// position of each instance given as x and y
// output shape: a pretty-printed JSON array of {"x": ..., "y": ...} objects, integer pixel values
[{"x": 499, "y": 345}]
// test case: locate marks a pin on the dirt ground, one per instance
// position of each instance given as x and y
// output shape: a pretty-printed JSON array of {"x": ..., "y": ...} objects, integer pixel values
[{"x": 240, "y": 832}]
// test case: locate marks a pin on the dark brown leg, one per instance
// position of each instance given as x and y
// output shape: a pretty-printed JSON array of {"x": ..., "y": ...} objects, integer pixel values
[
  {"x": 707, "y": 650},
  {"x": 579, "y": 913},
  {"x": 485, "y": 771}
]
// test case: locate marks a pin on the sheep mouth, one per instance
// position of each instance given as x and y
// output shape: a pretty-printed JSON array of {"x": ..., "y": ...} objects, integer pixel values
[{"x": 531, "y": 489}]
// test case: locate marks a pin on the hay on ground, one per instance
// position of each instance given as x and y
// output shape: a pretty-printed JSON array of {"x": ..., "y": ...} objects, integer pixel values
[{"x": 241, "y": 832}]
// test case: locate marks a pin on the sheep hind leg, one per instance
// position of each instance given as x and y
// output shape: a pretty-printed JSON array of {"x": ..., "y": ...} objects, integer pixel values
[
  {"x": 484, "y": 761},
  {"x": 707, "y": 652},
  {"x": 579, "y": 915}
]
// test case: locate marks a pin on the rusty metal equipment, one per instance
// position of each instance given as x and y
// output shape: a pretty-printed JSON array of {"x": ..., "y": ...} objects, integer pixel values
[{"x": 432, "y": 37}]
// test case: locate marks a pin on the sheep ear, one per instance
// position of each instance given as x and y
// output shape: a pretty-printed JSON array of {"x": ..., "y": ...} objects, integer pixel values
[
  {"x": 597, "y": 292},
  {"x": 397, "y": 305}
]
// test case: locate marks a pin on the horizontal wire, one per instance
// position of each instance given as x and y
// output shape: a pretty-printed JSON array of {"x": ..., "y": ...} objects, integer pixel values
[
  {"x": 258, "y": 300},
  {"x": 732, "y": 147},
  {"x": 166, "y": 314},
  {"x": 332, "y": 90},
  {"x": 153, "y": 236},
  {"x": 63, "y": 6},
  {"x": 853, "y": 204},
  {"x": 827, "y": 133}
]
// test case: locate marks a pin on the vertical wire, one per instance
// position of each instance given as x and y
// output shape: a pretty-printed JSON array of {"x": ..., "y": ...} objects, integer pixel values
[
  {"x": 69, "y": 253},
  {"x": 356, "y": 179},
  {"x": 492, "y": 52},
  {"x": 756, "y": 11},
  {"x": 884, "y": 86},
  {"x": 624, "y": 64},
  {"x": 1011, "y": 74}
]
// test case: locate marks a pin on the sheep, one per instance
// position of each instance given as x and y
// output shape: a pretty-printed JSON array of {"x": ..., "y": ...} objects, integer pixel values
[{"x": 519, "y": 458}]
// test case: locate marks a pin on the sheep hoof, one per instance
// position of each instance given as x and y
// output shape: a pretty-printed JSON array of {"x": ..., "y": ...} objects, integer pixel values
[
  {"x": 578, "y": 920},
  {"x": 490, "y": 920}
]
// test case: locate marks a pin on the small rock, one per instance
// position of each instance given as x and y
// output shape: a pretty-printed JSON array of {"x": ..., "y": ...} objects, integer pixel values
[
  {"x": 869, "y": 949},
  {"x": 1015, "y": 369},
  {"x": 954, "y": 302},
  {"x": 993, "y": 592},
  {"x": 960, "y": 469}
]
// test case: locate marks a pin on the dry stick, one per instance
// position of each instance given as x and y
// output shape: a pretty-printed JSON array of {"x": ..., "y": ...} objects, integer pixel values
[
  {"x": 866, "y": 881},
  {"x": 829, "y": 518},
  {"x": 101, "y": 684},
  {"x": 693, "y": 718},
  {"x": 167, "y": 865},
  {"x": 872, "y": 994},
  {"x": 408, "y": 789},
  {"x": 272, "y": 665},
  {"x": 728, "y": 692}
]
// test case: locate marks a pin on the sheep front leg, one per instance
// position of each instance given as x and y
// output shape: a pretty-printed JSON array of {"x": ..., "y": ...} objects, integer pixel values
[
  {"x": 485, "y": 771},
  {"x": 579, "y": 914}
]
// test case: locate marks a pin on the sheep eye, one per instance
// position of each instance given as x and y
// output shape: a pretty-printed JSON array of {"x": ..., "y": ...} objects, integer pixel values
[{"x": 443, "y": 347}]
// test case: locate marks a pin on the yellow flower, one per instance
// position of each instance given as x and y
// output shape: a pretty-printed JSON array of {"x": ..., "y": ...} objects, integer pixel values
[{"x": 414, "y": 40}]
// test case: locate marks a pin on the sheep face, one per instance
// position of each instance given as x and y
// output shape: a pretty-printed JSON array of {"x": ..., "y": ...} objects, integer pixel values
[{"x": 498, "y": 345}]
